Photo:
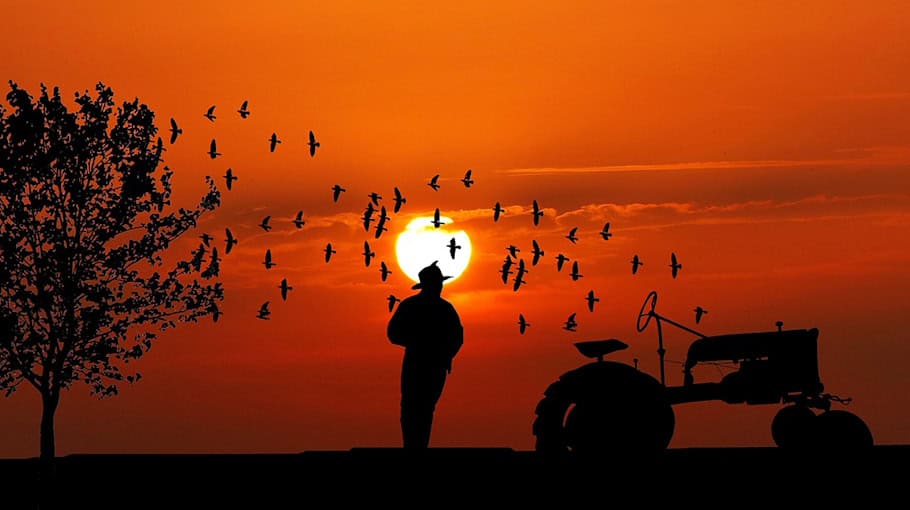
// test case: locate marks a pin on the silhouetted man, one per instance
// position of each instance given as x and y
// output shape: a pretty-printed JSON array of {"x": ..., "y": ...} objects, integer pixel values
[{"x": 429, "y": 329}]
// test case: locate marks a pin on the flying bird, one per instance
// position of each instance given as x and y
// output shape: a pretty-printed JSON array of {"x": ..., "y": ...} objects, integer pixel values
[
  {"x": 229, "y": 241},
  {"x": 452, "y": 247},
  {"x": 466, "y": 180},
  {"x": 572, "y": 237},
  {"x": 392, "y": 300},
  {"x": 368, "y": 216},
  {"x": 605, "y": 233},
  {"x": 216, "y": 313},
  {"x": 523, "y": 325},
  {"x": 560, "y": 260},
  {"x": 284, "y": 289},
  {"x": 436, "y": 222},
  {"x": 591, "y": 299},
  {"x": 264, "y": 312},
  {"x": 575, "y": 274},
  {"x": 375, "y": 198},
  {"x": 328, "y": 252},
  {"x": 265, "y": 223},
  {"x": 675, "y": 266},
  {"x": 229, "y": 177},
  {"x": 383, "y": 216},
  {"x": 699, "y": 312},
  {"x": 513, "y": 251},
  {"x": 384, "y": 271},
  {"x": 380, "y": 225},
  {"x": 367, "y": 254},
  {"x": 434, "y": 183},
  {"x": 570, "y": 324},
  {"x": 367, "y": 220},
  {"x": 159, "y": 149},
  {"x": 273, "y": 142},
  {"x": 519, "y": 275},
  {"x": 213, "y": 150},
  {"x": 175, "y": 131},
  {"x": 206, "y": 239},
  {"x": 337, "y": 190},
  {"x": 399, "y": 200},
  {"x": 198, "y": 256},
  {"x": 210, "y": 114},
  {"x": 212, "y": 270},
  {"x": 537, "y": 252},
  {"x": 537, "y": 213},
  {"x": 313, "y": 144},
  {"x": 298, "y": 220},
  {"x": 497, "y": 211},
  {"x": 636, "y": 262},
  {"x": 268, "y": 260},
  {"x": 244, "y": 111},
  {"x": 506, "y": 269}
]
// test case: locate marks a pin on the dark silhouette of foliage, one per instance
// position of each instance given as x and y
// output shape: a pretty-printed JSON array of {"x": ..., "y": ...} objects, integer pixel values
[{"x": 85, "y": 214}]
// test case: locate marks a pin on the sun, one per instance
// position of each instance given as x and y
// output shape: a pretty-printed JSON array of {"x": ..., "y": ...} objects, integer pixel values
[{"x": 421, "y": 243}]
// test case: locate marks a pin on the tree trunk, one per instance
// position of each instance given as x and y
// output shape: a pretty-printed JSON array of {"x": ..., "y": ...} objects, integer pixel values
[{"x": 46, "y": 462}]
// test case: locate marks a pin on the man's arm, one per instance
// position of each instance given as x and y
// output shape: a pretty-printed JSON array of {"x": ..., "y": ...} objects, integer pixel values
[
  {"x": 397, "y": 329},
  {"x": 456, "y": 332},
  {"x": 458, "y": 338}
]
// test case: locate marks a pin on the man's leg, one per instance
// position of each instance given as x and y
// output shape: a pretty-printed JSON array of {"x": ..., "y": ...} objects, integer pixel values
[
  {"x": 433, "y": 382},
  {"x": 421, "y": 388},
  {"x": 410, "y": 399}
]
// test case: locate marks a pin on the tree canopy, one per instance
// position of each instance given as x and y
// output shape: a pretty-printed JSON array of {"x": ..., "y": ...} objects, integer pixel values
[{"x": 85, "y": 216}]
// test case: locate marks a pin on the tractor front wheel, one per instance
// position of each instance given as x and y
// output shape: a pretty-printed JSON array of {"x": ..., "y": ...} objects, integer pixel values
[
  {"x": 842, "y": 430},
  {"x": 793, "y": 427},
  {"x": 798, "y": 428}
]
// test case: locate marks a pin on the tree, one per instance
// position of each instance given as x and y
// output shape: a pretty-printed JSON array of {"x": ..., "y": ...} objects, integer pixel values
[{"x": 85, "y": 215}]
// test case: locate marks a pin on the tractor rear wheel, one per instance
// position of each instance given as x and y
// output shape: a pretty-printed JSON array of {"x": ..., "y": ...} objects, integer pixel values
[
  {"x": 604, "y": 408},
  {"x": 619, "y": 428},
  {"x": 793, "y": 427}
]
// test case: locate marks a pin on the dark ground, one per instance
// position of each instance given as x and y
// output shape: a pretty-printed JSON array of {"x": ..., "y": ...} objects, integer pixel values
[{"x": 687, "y": 478}]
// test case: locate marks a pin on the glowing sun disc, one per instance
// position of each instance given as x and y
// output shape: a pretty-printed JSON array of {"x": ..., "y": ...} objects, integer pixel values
[{"x": 420, "y": 244}]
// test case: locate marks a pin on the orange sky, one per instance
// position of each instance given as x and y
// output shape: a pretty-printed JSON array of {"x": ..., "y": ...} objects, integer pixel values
[{"x": 767, "y": 145}]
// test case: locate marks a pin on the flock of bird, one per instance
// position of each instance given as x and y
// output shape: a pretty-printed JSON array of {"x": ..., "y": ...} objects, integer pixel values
[
  {"x": 512, "y": 258},
  {"x": 537, "y": 253},
  {"x": 370, "y": 216},
  {"x": 229, "y": 239}
]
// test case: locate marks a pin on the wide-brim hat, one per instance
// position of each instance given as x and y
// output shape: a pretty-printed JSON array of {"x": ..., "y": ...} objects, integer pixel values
[{"x": 431, "y": 273}]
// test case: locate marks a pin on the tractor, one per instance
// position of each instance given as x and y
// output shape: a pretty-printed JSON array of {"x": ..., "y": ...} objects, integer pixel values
[{"x": 612, "y": 407}]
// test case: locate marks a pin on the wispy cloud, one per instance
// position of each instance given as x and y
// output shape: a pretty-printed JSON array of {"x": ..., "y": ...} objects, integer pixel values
[
  {"x": 511, "y": 211},
  {"x": 813, "y": 208},
  {"x": 863, "y": 156}
]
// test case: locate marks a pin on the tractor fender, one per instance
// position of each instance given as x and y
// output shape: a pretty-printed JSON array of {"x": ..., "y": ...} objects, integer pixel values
[{"x": 593, "y": 381}]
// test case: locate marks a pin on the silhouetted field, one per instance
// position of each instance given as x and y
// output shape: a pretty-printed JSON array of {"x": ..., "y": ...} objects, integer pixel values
[{"x": 703, "y": 476}]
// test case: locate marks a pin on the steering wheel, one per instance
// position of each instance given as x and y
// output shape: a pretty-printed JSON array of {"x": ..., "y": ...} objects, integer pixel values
[{"x": 647, "y": 311}]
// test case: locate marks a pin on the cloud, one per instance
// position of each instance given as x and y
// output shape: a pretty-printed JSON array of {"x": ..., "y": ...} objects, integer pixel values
[
  {"x": 511, "y": 211},
  {"x": 662, "y": 215},
  {"x": 862, "y": 156}
]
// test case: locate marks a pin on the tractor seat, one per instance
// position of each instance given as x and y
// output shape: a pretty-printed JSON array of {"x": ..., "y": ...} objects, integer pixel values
[{"x": 600, "y": 348}]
